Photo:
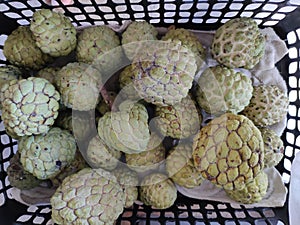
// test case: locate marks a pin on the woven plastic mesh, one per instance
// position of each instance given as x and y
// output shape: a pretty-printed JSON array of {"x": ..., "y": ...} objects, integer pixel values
[{"x": 201, "y": 15}]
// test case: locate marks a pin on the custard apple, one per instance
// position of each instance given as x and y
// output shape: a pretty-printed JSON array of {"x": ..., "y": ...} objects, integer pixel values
[
  {"x": 238, "y": 43},
  {"x": 53, "y": 32},
  {"x": 88, "y": 197},
  {"x": 229, "y": 151},
  {"x": 20, "y": 49},
  {"x": 29, "y": 106},
  {"x": 158, "y": 191},
  {"x": 49, "y": 73},
  {"x": 222, "y": 90},
  {"x": 46, "y": 155},
  {"x": 127, "y": 90},
  {"x": 268, "y": 105},
  {"x": 105, "y": 105}
]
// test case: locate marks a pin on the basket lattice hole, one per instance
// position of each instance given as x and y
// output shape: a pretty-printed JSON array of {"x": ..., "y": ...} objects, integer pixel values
[
  {"x": 127, "y": 214},
  {"x": 293, "y": 67},
  {"x": 169, "y": 215},
  {"x": 197, "y": 215},
  {"x": 211, "y": 215},
  {"x": 183, "y": 214},
  {"x": 254, "y": 214},
  {"x": 226, "y": 214},
  {"x": 291, "y": 124},
  {"x": 240, "y": 214},
  {"x": 269, "y": 213},
  {"x": 155, "y": 214}
]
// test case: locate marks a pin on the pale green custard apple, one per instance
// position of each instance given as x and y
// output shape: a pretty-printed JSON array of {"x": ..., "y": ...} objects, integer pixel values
[
  {"x": 49, "y": 73},
  {"x": 127, "y": 90}
]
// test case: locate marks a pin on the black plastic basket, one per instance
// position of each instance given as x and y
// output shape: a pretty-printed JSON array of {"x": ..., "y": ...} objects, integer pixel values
[{"x": 283, "y": 16}]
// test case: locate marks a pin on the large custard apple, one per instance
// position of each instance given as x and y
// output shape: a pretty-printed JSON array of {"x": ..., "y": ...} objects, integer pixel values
[
  {"x": 229, "y": 151},
  {"x": 222, "y": 90},
  {"x": 46, "y": 155},
  {"x": 88, "y": 197},
  {"x": 53, "y": 32},
  {"x": 29, "y": 106},
  {"x": 238, "y": 43},
  {"x": 268, "y": 105},
  {"x": 20, "y": 49}
]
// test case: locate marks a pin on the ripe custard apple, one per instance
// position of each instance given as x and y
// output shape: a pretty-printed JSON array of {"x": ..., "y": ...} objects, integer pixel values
[
  {"x": 53, "y": 32},
  {"x": 180, "y": 120},
  {"x": 127, "y": 90},
  {"x": 253, "y": 192},
  {"x": 49, "y": 73},
  {"x": 127, "y": 129},
  {"x": 135, "y": 35},
  {"x": 238, "y": 43},
  {"x": 46, "y": 155},
  {"x": 222, "y": 90},
  {"x": 151, "y": 159},
  {"x": 29, "y": 106},
  {"x": 229, "y": 151},
  {"x": 189, "y": 40},
  {"x": 164, "y": 72},
  {"x": 18, "y": 177},
  {"x": 268, "y": 105},
  {"x": 274, "y": 147},
  {"x": 78, "y": 84},
  {"x": 158, "y": 191},
  {"x": 180, "y": 166},
  {"x": 88, "y": 197},
  {"x": 20, "y": 49},
  {"x": 98, "y": 155}
]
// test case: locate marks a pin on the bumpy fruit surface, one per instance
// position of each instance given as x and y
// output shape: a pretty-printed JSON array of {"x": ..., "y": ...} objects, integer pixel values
[
  {"x": 18, "y": 177},
  {"x": 221, "y": 90},
  {"x": 53, "y": 32},
  {"x": 49, "y": 73},
  {"x": 238, "y": 43},
  {"x": 20, "y": 49},
  {"x": 229, "y": 151},
  {"x": 254, "y": 191},
  {"x": 158, "y": 191},
  {"x": 274, "y": 147},
  {"x": 127, "y": 90},
  {"x": 164, "y": 72},
  {"x": 29, "y": 106},
  {"x": 45, "y": 155},
  {"x": 268, "y": 105},
  {"x": 180, "y": 166},
  {"x": 90, "y": 196}
]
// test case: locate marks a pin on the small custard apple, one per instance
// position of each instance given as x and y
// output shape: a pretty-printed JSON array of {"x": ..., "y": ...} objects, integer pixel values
[
  {"x": 158, "y": 191},
  {"x": 268, "y": 105},
  {"x": 126, "y": 130},
  {"x": 29, "y": 106},
  {"x": 127, "y": 90},
  {"x": 78, "y": 84},
  {"x": 222, "y": 90},
  {"x": 135, "y": 35},
  {"x": 164, "y": 72},
  {"x": 49, "y": 73},
  {"x": 105, "y": 105},
  {"x": 46, "y": 155},
  {"x": 98, "y": 155},
  {"x": 180, "y": 166},
  {"x": 148, "y": 160},
  {"x": 274, "y": 147},
  {"x": 238, "y": 43},
  {"x": 20, "y": 49},
  {"x": 53, "y": 32},
  {"x": 189, "y": 40},
  {"x": 229, "y": 151},
  {"x": 253, "y": 192},
  {"x": 18, "y": 177},
  {"x": 180, "y": 120},
  {"x": 88, "y": 197}
]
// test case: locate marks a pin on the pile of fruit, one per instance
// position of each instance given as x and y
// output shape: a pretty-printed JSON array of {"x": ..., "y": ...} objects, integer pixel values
[{"x": 90, "y": 125}]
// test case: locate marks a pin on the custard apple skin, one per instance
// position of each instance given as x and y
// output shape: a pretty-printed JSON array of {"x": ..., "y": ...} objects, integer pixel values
[
  {"x": 229, "y": 151},
  {"x": 221, "y": 89},
  {"x": 45, "y": 155},
  {"x": 273, "y": 147},
  {"x": 98, "y": 155},
  {"x": 268, "y": 105},
  {"x": 238, "y": 43},
  {"x": 29, "y": 106},
  {"x": 253, "y": 192},
  {"x": 78, "y": 84},
  {"x": 158, "y": 191},
  {"x": 21, "y": 50},
  {"x": 53, "y": 32},
  {"x": 164, "y": 72},
  {"x": 135, "y": 35},
  {"x": 49, "y": 73},
  {"x": 189, "y": 40},
  {"x": 88, "y": 197},
  {"x": 127, "y": 90},
  {"x": 180, "y": 166},
  {"x": 18, "y": 177}
]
